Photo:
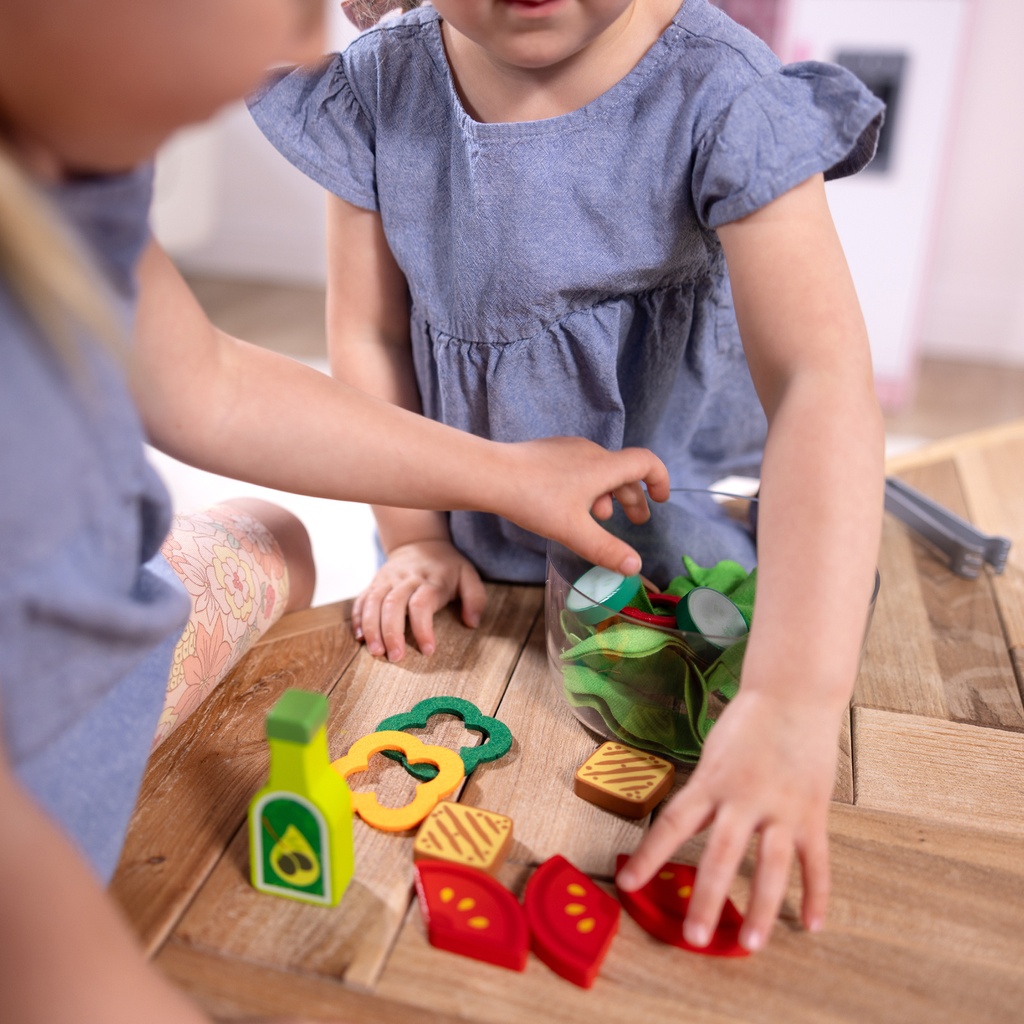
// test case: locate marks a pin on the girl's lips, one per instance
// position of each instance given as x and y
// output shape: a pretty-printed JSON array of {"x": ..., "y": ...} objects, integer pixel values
[{"x": 533, "y": 8}]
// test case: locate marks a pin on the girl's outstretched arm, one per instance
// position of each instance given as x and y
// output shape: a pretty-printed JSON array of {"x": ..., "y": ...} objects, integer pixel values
[
  {"x": 767, "y": 769},
  {"x": 232, "y": 408}
]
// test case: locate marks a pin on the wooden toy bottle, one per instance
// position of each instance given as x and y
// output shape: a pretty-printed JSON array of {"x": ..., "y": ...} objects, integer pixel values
[{"x": 300, "y": 823}]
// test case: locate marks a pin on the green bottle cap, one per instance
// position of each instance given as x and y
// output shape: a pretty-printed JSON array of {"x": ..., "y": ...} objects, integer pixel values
[
  {"x": 711, "y": 614},
  {"x": 296, "y": 716},
  {"x": 600, "y": 592}
]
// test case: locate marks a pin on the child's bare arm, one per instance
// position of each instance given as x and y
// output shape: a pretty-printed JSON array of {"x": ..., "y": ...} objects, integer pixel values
[
  {"x": 768, "y": 766},
  {"x": 204, "y": 395}
]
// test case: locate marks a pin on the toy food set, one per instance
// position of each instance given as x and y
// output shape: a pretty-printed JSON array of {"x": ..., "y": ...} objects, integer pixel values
[
  {"x": 300, "y": 842},
  {"x": 572, "y": 920},
  {"x": 470, "y": 913},
  {"x": 651, "y": 661}
]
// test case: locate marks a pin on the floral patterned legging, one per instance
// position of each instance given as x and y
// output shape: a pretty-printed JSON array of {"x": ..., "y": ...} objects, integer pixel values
[{"x": 236, "y": 576}]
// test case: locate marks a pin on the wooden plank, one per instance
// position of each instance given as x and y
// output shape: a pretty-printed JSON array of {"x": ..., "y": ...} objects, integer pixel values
[
  {"x": 994, "y": 481},
  {"x": 337, "y": 615},
  {"x": 921, "y": 929},
  {"x": 936, "y": 645},
  {"x": 235, "y": 990},
  {"x": 899, "y": 669},
  {"x": 1017, "y": 657},
  {"x": 198, "y": 783},
  {"x": 351, "y": 941},
  {"x": 945, "y": 771},
  {"x": 970, "y": 645}
]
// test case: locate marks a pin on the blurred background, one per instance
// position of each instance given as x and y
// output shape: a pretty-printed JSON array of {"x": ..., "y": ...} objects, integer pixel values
[{"x": 933, "y": 230}]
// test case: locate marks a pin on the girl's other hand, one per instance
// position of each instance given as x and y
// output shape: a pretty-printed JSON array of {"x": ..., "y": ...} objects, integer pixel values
[
  {"x": 418, "y": 579},
  {"x": 767, "y": 769}
]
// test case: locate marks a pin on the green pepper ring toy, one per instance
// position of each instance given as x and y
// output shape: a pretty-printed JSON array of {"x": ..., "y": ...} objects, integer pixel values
[{"x": 497, "y": 737}]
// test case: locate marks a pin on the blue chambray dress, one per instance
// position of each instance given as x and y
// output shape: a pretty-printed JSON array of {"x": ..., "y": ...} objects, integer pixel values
[{"x": 565, "y": 275}]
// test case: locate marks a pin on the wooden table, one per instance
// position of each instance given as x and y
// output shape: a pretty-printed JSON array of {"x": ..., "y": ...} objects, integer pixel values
[{"x": 926, "y": 920}]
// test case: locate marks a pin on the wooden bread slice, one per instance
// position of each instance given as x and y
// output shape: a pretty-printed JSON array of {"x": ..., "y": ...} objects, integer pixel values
[
  {"x": 620, "y": 779},
  {"x": 466, "y": 835}
]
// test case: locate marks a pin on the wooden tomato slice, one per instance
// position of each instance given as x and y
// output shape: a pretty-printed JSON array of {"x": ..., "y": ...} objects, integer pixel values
[
  {"x": 660, "y": 906},
  {"x": 572, "y": 920},
  {"x": 469, "y": 913}
]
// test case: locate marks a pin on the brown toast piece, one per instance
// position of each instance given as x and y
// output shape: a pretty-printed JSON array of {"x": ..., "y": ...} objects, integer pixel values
[
  {"x": 620, "y": 779},
  {"x": 466, "y": 835}
]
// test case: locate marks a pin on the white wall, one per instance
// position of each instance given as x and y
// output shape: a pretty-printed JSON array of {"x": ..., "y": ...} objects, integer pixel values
[
  {"x": 228, "y": 204},
  {"x": 974, "y": 302}
]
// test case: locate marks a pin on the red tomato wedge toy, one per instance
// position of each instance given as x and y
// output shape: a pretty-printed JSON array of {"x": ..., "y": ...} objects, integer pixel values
[
  {"x": 660, "y": 906},
  {"x": 572, "y": 920},
  {"x": 469, "y": 913}
]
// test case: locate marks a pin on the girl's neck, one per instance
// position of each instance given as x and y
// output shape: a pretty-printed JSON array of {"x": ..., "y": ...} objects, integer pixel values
[{"x": 494, "y": 90}]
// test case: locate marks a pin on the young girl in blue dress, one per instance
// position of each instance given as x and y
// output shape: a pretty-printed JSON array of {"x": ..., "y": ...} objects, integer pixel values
[{"x": 608, "y": 217}]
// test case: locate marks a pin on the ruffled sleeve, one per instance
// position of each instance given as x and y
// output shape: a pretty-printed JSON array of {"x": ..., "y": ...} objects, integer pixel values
[
  {"x": 314, "y": 119},
  {"x": 802, "y": 120}
]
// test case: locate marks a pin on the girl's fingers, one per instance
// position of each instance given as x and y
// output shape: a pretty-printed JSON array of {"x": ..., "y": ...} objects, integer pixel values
[
  {"x": 817, "y": 878},
  {"x": 472, "y": 595},
  {"x": 393, "y": 612},
  {"x": 603, "y": 507},
  {"x": 369, "y": 620},
  {"x": 653, "y": 471},
  {"x": 633, "y": 499},
  {"x": 357, "y": 617},
  {"x": 771, "y": 876},
  {"x": 424, "y": 603},
  {"x": 682, "y": 817},
  {"x": 594, "y": 543},
  {"x": 718, "y": 866},
  {"x": 412, "y": 595}
]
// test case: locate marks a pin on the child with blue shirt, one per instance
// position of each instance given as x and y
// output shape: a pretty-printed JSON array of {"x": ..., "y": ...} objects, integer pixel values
[
  {"x": 94, "y": 592},
  {"x": 608, "y": 217}
]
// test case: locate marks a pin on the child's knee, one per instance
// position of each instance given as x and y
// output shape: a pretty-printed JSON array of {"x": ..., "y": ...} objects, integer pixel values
[{"x": 293, "y": 540}]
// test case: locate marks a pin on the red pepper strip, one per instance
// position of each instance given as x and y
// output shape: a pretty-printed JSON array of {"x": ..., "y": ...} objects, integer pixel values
[
  {"x": 655, "y": 597},
  {"x": 667, "y": 621}
]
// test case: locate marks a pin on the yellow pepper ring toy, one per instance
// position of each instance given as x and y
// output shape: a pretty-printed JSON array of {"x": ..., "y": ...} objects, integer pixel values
[{"x": 450, "y": 772}]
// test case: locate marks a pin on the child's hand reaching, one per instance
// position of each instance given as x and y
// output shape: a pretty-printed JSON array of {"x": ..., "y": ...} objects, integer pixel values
[
  {"x": 768, "y": 769},
  {"x": 560, "y": 484},
  {"x": 554, "y": 487}
]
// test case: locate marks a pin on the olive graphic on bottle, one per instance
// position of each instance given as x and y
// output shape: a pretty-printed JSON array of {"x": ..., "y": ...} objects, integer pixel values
[{"x": 292, "y": 857}]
